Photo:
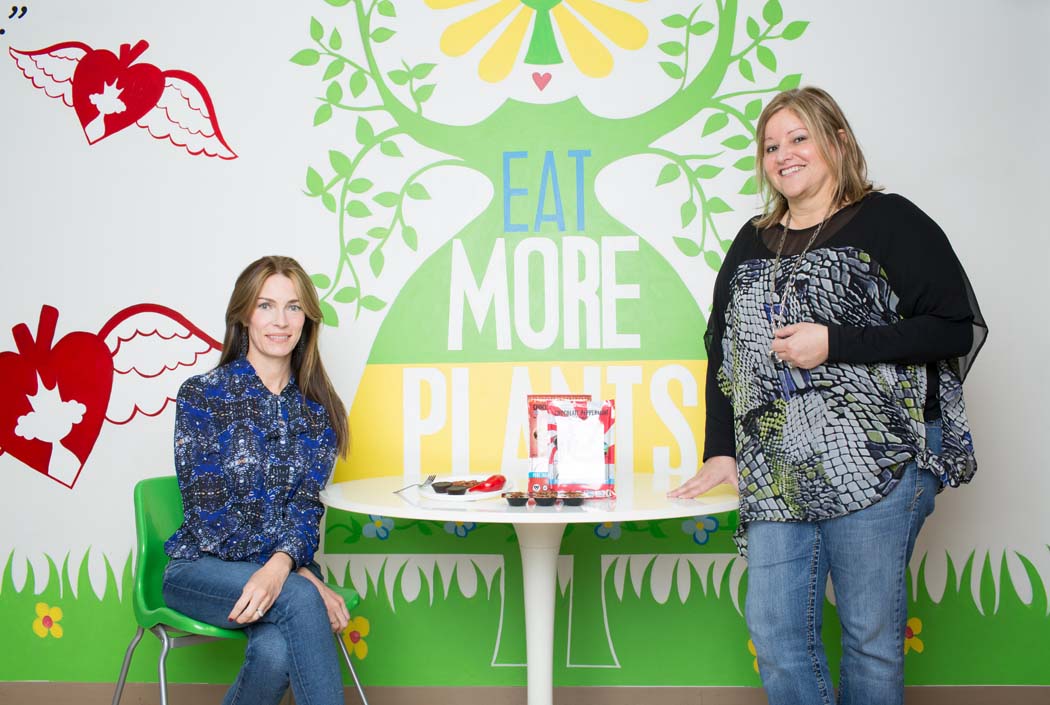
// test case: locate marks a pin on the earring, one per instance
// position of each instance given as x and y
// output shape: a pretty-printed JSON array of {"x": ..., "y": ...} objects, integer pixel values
[{"x": 244, "y": 345}]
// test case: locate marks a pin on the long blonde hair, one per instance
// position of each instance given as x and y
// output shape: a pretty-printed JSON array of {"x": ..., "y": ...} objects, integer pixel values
[
  {"x": 306, "y": 358},
  {"x": 826, "y": 123}
]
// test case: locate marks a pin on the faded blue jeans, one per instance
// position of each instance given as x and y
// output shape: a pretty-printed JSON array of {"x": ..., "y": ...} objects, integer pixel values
[
  {"x": 867, "y": 554},
  {"x": 291, "y": 644}
]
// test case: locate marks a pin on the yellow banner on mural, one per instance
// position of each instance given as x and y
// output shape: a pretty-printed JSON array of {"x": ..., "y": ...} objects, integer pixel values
[{"x": 457, "y": 419}]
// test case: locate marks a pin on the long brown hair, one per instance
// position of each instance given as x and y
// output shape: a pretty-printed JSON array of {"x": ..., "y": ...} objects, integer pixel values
[
  {"x": 827, "y": 124},
  {"x": 306, "y": 358}
]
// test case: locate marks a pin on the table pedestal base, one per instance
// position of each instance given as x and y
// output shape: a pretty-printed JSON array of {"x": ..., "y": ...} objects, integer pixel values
[{"x": 539, "y": 545}]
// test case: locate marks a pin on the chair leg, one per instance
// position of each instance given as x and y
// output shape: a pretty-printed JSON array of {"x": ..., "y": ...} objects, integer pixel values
[
  {"x": 165, "y": 647},
  {"x": 350, "y": 665},
  {"x": 126, "y": 665}
]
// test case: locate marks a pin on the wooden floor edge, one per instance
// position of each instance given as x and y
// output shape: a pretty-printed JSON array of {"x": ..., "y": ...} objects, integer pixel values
[{"x": 53, "y": 693}]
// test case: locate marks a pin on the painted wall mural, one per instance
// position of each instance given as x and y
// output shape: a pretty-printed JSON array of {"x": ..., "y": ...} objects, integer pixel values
[
  {"x": 495, "y": 198},
  {"x": 16, "y": 13},
  {"x": 110, "y": 92},
  {"x": 57, "y": 394}
]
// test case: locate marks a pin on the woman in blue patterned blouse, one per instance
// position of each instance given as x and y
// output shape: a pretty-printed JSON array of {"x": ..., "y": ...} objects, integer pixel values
[{"x": 255, "y": 442}]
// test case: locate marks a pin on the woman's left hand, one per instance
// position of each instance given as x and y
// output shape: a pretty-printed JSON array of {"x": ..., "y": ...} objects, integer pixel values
[
  {"x": 802, "y": 345},
  {"x": 262, "y": 589},
  {"x": 338, "y": 614}
]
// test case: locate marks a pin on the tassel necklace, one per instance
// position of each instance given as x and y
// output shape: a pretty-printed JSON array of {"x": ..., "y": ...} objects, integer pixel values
[{"x": 778, "y": 308}]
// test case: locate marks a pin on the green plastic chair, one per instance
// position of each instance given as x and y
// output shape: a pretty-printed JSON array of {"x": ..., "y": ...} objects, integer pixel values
[{"x": 158, "y": 513}]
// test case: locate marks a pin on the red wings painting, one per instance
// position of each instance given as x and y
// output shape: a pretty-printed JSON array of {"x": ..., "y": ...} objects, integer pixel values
[{"x": 110, "y": 92}]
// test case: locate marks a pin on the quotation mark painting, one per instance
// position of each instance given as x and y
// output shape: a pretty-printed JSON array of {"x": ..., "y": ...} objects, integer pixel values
[{"x": 17, "y": 13}]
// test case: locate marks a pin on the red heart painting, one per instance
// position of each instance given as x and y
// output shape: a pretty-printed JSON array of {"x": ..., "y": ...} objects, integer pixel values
[
  {"x": 541, "y": 79},
  {"x": 109, "y": 93},
  {"x": 54, "y": 399}
]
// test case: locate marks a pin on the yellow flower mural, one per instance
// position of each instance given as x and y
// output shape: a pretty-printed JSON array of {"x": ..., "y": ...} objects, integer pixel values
[
  {"x": 911, "y": 640},
  {"x": 354, "y": 636},
  {"x": 590, "y": 55},
  {"x": 47, "y": 621}
]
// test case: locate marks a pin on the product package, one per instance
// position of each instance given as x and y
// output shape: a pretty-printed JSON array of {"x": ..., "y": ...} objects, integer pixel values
[
  {"x": 540, "y": 442},
  {"x": 583, "y": 453}
]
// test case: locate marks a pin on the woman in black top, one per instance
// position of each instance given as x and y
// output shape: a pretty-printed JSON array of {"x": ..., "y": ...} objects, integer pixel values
[{"x": 842, "y": 327}]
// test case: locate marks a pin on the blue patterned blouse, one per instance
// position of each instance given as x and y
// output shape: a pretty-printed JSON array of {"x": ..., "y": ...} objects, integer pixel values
[{"x": 250, "y": 465}]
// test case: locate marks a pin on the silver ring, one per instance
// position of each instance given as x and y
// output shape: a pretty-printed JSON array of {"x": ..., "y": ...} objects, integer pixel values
[{"x": 259, "y": 613}]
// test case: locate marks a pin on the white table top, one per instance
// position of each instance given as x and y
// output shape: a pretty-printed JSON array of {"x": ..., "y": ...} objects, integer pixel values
[{"x": 642, "y": 497}]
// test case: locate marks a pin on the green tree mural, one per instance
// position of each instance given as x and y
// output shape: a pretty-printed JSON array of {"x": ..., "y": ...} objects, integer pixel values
[{"x": 344, "y": 188}]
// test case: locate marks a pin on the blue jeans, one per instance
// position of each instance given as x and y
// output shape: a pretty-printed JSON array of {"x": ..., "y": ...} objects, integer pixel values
[
  {"x": 867, "y": 554},
  {"x": 291, "y": 644}
]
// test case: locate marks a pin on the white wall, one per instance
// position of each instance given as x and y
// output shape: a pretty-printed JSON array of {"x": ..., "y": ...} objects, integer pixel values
[{"x": 950, "y": 102}]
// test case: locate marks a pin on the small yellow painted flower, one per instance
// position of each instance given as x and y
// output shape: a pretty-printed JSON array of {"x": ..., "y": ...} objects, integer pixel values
[
  {"x": 911, "y": 640},
  {"x": 354, "y": 636},
  {"x": 753, "y": 652},
  {"x": 47, "y": 621},
  {"x": 572, "y": 19}
]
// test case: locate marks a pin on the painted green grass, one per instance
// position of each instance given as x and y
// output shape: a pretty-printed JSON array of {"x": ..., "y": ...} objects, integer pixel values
[
  {"x": 449, "y": 639},
  {"x": 963, "y": 646},
  {"x": 95, "y": 633},
  {"x": 702, "y": 641},
  {"x": 1005, "y": 646},
  {"x": 435, "y": 640}
]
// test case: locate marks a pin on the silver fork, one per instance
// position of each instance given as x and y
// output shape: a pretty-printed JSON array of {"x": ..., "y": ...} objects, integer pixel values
[{"x": 425, "y": 483}]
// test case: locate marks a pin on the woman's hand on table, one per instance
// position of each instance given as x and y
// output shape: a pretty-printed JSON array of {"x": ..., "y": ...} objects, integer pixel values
[
  {"x": 802, "y": 345},
  {"x": 338, "y": 614},
  {"x": 716, "y": 470},
  {"x": 262, "y": 589}
]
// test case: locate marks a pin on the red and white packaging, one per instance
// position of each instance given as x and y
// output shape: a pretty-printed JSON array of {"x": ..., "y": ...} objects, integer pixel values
[
  {"x": 583, "y": 456},
  {"x": 540, "y": 441}
]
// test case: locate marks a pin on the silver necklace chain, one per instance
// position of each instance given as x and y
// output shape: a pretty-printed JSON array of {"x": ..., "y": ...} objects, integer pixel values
[{"x": 778, "y": 309}]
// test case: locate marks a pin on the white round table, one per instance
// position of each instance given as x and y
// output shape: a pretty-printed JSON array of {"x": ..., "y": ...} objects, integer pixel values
[{"x": 539, "y": 531}]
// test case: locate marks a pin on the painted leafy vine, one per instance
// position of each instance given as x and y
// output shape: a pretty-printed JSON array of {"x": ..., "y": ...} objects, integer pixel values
[
  {"x": 344, "y": 189},
  {"x": 731, "y": 119}
]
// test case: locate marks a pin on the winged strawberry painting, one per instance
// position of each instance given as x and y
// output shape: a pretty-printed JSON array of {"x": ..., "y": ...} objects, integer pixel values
[
  {"x": 110, "y": 92},
  {"x": 56, "y": 395}
]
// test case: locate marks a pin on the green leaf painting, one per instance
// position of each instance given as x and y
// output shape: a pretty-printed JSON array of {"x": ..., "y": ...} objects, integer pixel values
[{"x": 383, "y": 104}]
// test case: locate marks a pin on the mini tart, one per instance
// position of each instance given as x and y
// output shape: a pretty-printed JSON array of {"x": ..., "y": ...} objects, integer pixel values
[
  {"x": 545, "y": 499},
  {"x": 516, "y": 499},
  {"x": 572, "y": 499}
]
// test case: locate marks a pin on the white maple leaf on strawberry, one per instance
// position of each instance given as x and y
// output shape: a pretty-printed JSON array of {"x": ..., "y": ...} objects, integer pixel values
[{"x": 51, "y": 420}]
